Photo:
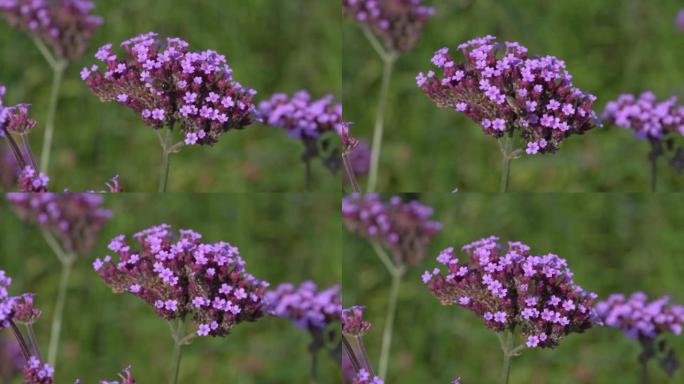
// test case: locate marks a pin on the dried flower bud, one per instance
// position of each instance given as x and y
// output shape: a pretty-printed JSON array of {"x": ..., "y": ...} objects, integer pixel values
[
  {"x": 403, "y": 228},
  {"x": 511, "y": 288},
  {"x": 534, "y": 95}
]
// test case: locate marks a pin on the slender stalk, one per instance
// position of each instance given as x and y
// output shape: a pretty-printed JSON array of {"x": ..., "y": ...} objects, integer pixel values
[
  {"x": 380, "y": 121},
  {"x": 177, "y": 350},
  {"x": 15, "y": 149},
  {"x": 350, "y": 173},
  {"x": 58, "y": 72},
  {"x": 166, "y": 160},
  {"x": 34, "y": 341},
  {"x": 308, "y": 174},
  {"x": 644, "y": 372},
  {"x": 57, "y": 317},
  {"x": 389, "y": 325},
  {"x": 507, "y": 341},
  {"x": 313, "y": 375},
  {"x": 20, "y": 340},
  {"x": 654, "y": 173},
  {"x": 507, "y": 154}
]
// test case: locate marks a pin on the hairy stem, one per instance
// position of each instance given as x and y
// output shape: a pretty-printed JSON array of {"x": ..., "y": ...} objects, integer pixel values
[
  {"x": 58, "y": 72},
  {"x": 507, "y": 342},
  {"x": 166, "y": 161},
  {"x": 380, "y": 122},
  {"x": 389, "y": 324},
  {"x": 34, "y": 341},
  {"x": 507, "y": 154},
  {"x": 178, "y": 342},
  {"x": 20, "y": 339},
  {"x": 351, "y": 176},
  {"x": 57, "y": 317}
]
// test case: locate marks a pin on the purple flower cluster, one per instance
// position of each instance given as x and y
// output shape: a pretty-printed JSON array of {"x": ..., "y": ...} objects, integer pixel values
[
  {"x": 64, "y": 25},
  {"x": 181, "y": 276},
  {"x": 640, "y": 318},
  {"x": 364, "y": 377},
  {"x": 6, "y": 301},
  {"x": 403, "y": 228},
  {"x": 75, "y": 219},
  {"x": 515, "y": 91},
  {"x": 165, "y": 83},
  {"x": 305, "y": 305},
  {"x": 30, "y": 180},
  {"x": 303, "y": 117},
  {"x": 398, "y": 22},
  {"x": 509, "y": 288},
  {"x": 353, "y": 323},
  {"x": 648, "y": 118},
  {"x": 36, "y": 372}
]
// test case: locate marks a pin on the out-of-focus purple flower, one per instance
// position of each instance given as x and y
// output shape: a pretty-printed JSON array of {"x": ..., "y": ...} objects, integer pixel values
[
  {"x": 648, "y": 118},
  {"x": 17, "y": 119},
  {"x": 167, "y": 84},
  {"x": 11, "y": 359},
  {"x": 364, "y": 377},
  {"x": 511, "y": 288},
  {"x": 679, "y": 20},
  {"x": 181, "y": 277},
  {"x": 75, "y": 219},
  {"x": 397, "y": 22},
  {"x": 359, "y": 158},
  {"x": 534, "y": 95},
  {"x": 404, "y": 228},
  {"x": 125, "y": 375},
  {"x": 6, "y": 301},
  {"x": 37, "y": 372},
  {"x": 301, "y": 116},
  {"x": 640, "y": 318},
  {"x": 353, "y": 323},
  {"x": 306, "y": 306},
  {"x": 64, "y": 25}
]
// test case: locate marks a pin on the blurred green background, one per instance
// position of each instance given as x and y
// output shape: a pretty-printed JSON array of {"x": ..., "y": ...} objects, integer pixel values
[
  {"x": 613, "y": 243},
  {"x": 283, "y": 237},
  {"x": 610, "y": 47},
  {"x": 272, "y": 45}
]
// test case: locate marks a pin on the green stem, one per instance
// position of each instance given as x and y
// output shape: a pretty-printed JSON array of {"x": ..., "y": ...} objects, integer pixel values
[
  {"x": 389, "y": 324},
  {"x": 34, "y": 341},
  {"x": 308, "y": 174},
  {"x": 380, "y": 121},
  {"x": 507, "y": 340},
  {"x": 178, "y": 343},
  {"x": 644, "y": 372},
  {"x": 58, "y": 72},
  {"x": 507, "y": 154},
  {"x": 351, "y": 176},
  {"x": 58, "y": 315},
  {"x": 654, "y": 173},
  {"x": 20, "y": 339},
  {"x": 313, "y": 376},
  {"x": 166, "y": 161}
]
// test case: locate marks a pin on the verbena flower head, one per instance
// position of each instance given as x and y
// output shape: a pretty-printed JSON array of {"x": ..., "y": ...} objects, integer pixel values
[
  {"x": 511, "y": 91},
  {"x": 404, "y": 228},
  {"x": 302, "y": 116},
  {"x": 182, "y": 277},
  {"x": 31, "y": 180},
  {"x": 306, "y": 306},
  {"x": 37, "y": 372},
  {"x": 353, "y": 323},
  {"x": 364, "y": 377},
  {"x": 75, "y": 219},
  {"x": 397, "y": 22},
  {"x": 511, "y": 288},
  {"x": 646, "y": 116},
  {"x": 64, "y": 25},
  {"x": 165, "y": 83},
  {"x": 640, "y": 318},
  {"x": 14, "y": 119}
]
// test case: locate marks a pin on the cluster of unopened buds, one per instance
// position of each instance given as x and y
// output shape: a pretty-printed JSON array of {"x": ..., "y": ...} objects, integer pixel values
[
  {"x": 308, "y": 307},
  {"x": 182, "y": 277},
  {"x": 75, "y": 219},
  {"x": 404, "y": 228},
  {"x": 510, "y": 288},
  {"x": 397, "y": 22},
  {"x": 167, "y": 84},
  {"x": 511, "y": 91},
  {"x": 64, "y": 25}
]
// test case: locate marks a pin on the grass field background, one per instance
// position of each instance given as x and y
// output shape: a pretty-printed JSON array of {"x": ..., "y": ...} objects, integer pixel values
[
  {"x": 291, "y": 237},
  {"x": 272, "y": 45},
  {"x": 613, "y": 243},
  {"x": 610, "y": 47}
]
